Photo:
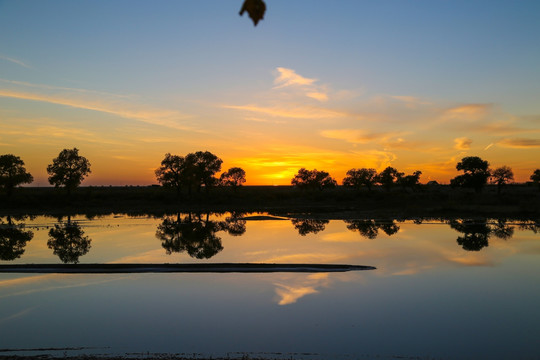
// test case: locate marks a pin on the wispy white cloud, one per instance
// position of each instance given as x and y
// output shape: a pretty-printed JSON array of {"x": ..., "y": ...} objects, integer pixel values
[
  {"x": 15, "y": 61},
  {"x": 95, "y": 101},
  {"x": 288, "y": 78},
  {"x": 468, "y": 111},
  {"x": 293, "y": 112},
  {"x": 357, "y": 136}
]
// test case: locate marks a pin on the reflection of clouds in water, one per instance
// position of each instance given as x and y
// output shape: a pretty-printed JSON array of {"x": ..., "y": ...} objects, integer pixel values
[
  {"x": 320, "y": 258},
  {"x": 17, "y": 315},
  {"x": 289, "y": 294},
  {"x": 472, "y": 260},
  {"x": 344, "y": 236},
  {"x": 51, "y": 282},
  {"x": 148, "y": 257}
]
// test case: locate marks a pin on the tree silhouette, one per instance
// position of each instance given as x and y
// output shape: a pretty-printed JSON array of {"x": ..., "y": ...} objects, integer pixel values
[
  {"x": 409, "y": 181},
  {"x": 13, "y": 173},
  {"x": 370, "y": 228},
  {"x": 192, "y": 235},
  {"x": 476, "y": 173},
  {"x": 535, "y": 177},
  {"x": 234, "y": 177},
  {"x": 68, "y": 242},
  {"x": 68, "y": 169},
  {"x": 388, "y": 177},
  {"x": 313, "y": 179},
  {"x": 356, "y": 178},
  {"x": 171, "y": 172},
  {"x": 501, "y": 176},
  {"x": 13, "y": 239},
  {"x": 307, "y": 226},
  {"x": 201, "y": 168}
]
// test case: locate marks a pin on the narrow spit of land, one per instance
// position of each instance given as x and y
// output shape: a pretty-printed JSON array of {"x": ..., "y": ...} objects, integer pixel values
[
  {"x": 515, "y": 201},
  {"x": 178, "y": 268}
]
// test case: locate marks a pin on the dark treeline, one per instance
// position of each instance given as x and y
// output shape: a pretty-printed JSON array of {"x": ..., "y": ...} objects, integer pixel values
[{"x": 191, "y": 182}]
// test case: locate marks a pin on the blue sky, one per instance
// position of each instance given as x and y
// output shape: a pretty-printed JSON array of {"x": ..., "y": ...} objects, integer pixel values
[{"x": 326, "y": 84}]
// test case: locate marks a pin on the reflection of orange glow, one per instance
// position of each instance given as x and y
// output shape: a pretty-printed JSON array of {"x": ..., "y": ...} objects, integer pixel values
[{"x": 289, "y": 295}]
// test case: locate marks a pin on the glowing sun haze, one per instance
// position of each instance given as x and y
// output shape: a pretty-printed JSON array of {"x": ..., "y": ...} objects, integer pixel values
[{"x": 416, "y": 85}]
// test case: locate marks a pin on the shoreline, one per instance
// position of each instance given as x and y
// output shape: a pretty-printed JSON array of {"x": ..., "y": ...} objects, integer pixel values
[
  {"x": 516, "y": 201},
  {"x": 178, "y": 268}
]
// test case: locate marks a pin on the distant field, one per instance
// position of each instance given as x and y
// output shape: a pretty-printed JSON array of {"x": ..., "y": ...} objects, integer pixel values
[{"x": 428, "y": 201}]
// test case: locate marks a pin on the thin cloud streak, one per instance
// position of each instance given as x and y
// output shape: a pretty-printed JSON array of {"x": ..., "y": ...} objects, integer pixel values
[
  {"x": 519, "y": 143},
  {"x": 167, "y": 118},
  {"x": 356, "y": 136},
  {"x": 297, "y": 112},
  {"x": 15, "y": 61}
]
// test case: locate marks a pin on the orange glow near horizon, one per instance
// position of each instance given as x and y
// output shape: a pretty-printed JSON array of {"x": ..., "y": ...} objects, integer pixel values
[{"x": 259, "y": 171}]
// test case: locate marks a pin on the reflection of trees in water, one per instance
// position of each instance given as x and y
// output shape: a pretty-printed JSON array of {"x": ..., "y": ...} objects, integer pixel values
[
  {"x": 68, "y": 242},
  {"x": 13, "y": 239},
  {"x": 234, "y": 224},
  {"x": 532, "y": 226},
  {"x": 195, "y": 234},
  {"x": 370, "y": 228},
  {"x": 476, "y": 233},
  {"x": 306, "y": 226}
]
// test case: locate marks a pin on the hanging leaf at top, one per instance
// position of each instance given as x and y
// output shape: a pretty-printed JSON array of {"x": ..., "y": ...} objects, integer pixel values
[{"x": 255, "y": 10}]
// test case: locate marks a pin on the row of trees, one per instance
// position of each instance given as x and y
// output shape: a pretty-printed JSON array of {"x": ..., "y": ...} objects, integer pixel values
[
  {"x": 476, "y": 173},
  {"x": 356, "y": 178},
  {"x": 68, "y": 169},
  {"x": 196, "y": 170}
]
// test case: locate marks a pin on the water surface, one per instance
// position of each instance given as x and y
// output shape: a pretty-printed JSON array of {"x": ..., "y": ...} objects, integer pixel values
[{"x": 452, "y": 290}]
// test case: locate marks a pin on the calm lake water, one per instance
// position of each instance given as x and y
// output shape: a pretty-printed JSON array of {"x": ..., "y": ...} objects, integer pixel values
[{"x": 450, "y": 290}]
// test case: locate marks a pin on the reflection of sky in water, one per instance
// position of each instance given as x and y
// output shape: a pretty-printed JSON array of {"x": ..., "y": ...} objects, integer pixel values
[{"x": 428, "y": 296}]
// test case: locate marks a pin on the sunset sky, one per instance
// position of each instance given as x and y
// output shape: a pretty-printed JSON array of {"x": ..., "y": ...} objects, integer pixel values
[{"x": 331, "y": 85}]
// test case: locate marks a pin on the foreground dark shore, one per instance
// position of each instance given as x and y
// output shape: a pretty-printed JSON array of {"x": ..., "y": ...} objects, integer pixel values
[
  {"x": 184, "y": 268},
  {"x": 515, "y": 201}
]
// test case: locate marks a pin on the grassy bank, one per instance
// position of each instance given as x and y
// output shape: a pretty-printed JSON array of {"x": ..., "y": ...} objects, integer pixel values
[{"x": 516, "y": 201}]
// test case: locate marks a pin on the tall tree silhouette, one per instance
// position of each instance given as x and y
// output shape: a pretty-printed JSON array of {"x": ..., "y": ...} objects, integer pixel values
[
  {"x": 356, "y": 178},
  {"x": 201, "y": 168},
  {"x": 409, "y": 181},
  {"x": 68, "y": 169},
  {"x": 535, "y": 177},
  {"x": 13, "y": 239},
  {"x": 388, "y": 177},
  {"x": 13, "y": 173},
  {"x": 313, "y": 179},
  {"x": 68, "y": 242},
  {"x": 476, "y": 173},
  {"x": 234, "y": 177},
  {"x": 172, "y": 172},
  {"x": 501, "y": 176}
]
